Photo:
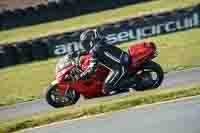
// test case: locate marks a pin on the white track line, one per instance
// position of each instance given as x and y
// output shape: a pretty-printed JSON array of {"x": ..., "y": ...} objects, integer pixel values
[{"x": 106, "y": 113}]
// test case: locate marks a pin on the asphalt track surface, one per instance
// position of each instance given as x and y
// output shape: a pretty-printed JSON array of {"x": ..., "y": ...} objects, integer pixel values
[
  {"x": 171, "y": 79},
  {"x": 173, "y": 117}
]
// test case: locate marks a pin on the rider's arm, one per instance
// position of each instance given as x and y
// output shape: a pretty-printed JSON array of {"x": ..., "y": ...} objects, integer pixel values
[{"x": 91, "y": 68}]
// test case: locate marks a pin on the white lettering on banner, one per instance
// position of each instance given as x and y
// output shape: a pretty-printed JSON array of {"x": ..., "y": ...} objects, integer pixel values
[
  {"x": 147, "y": 31},
  {"x": 123, "y": 36},
  {"x": 114, "y": 38},
  {"x": 196, "y": 19},
  {"x": 136, "y": 34},
  {"x": 60, "y": 49},
  {"x": 171, "y": 26},
  {"x": 69, "y": 47}
]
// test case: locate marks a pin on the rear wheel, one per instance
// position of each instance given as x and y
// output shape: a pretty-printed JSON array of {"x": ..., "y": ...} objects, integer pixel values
[
  {"x": 54, "y": 98},
  {"x": 149, "y": 76}
]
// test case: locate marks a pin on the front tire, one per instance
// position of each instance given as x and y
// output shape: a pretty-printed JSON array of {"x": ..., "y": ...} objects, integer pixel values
[
  {"x": 54, "y": 99},
  {"x": 145, "y": 79}
]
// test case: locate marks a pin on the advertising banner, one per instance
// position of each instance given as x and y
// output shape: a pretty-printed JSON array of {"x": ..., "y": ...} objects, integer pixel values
[{"x": 132, "y": 29}]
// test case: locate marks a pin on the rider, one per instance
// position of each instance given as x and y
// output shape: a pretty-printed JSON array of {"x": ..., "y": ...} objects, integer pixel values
[{"x": 107, "y": 55}]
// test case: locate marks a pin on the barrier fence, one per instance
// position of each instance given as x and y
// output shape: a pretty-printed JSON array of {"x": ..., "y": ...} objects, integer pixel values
[
  {"x": 57, "y": 11},
  {"x": 131, "y": 29}
]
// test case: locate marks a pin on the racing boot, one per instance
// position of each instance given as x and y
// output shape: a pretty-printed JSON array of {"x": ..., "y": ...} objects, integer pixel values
[{"x": 109, "y": 91}]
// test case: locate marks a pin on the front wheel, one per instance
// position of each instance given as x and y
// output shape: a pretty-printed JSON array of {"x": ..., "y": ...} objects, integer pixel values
[
  {"x": 54, "y": 98},
  {"x": 149, "y": 76}
]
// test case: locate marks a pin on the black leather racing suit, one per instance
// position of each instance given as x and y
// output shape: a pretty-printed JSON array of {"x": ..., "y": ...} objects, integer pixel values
[{"x": 111, "y": 57}]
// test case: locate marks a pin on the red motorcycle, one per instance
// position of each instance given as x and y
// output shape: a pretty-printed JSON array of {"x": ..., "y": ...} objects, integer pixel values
[{"x": 142, "y": 74}]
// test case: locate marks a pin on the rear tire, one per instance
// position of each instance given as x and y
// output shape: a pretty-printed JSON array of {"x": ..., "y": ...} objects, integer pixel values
[
  {"x": 54, "y": 99},
  {"x": 144, "y": 72}
]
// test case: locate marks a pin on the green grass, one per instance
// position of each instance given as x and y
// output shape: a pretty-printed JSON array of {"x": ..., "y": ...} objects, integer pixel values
[
  {"x": 50, "y": 28},
  {"x": 27, "y": 81},
  {"x": 117, "y": 103}
]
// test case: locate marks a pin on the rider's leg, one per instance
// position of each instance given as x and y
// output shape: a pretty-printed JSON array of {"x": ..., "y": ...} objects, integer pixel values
[
  {"x": 113, "y": 79},
  {"x": 116, "y": 73}
]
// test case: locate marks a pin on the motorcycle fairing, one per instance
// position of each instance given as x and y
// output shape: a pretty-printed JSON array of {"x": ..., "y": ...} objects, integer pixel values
[
  {"x": 92, "y": 87},
  {"x": 141, "y": 52}
]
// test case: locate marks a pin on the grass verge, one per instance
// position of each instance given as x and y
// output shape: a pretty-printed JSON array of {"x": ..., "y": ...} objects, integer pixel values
[
  {"x": 30, "y": 32},
  {"x": 119, "y": 103},
  {"x": 177, "y": 51}
]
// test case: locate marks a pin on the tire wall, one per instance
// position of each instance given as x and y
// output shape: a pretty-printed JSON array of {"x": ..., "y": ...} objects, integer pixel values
[{"x": 57, "y": 11}]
